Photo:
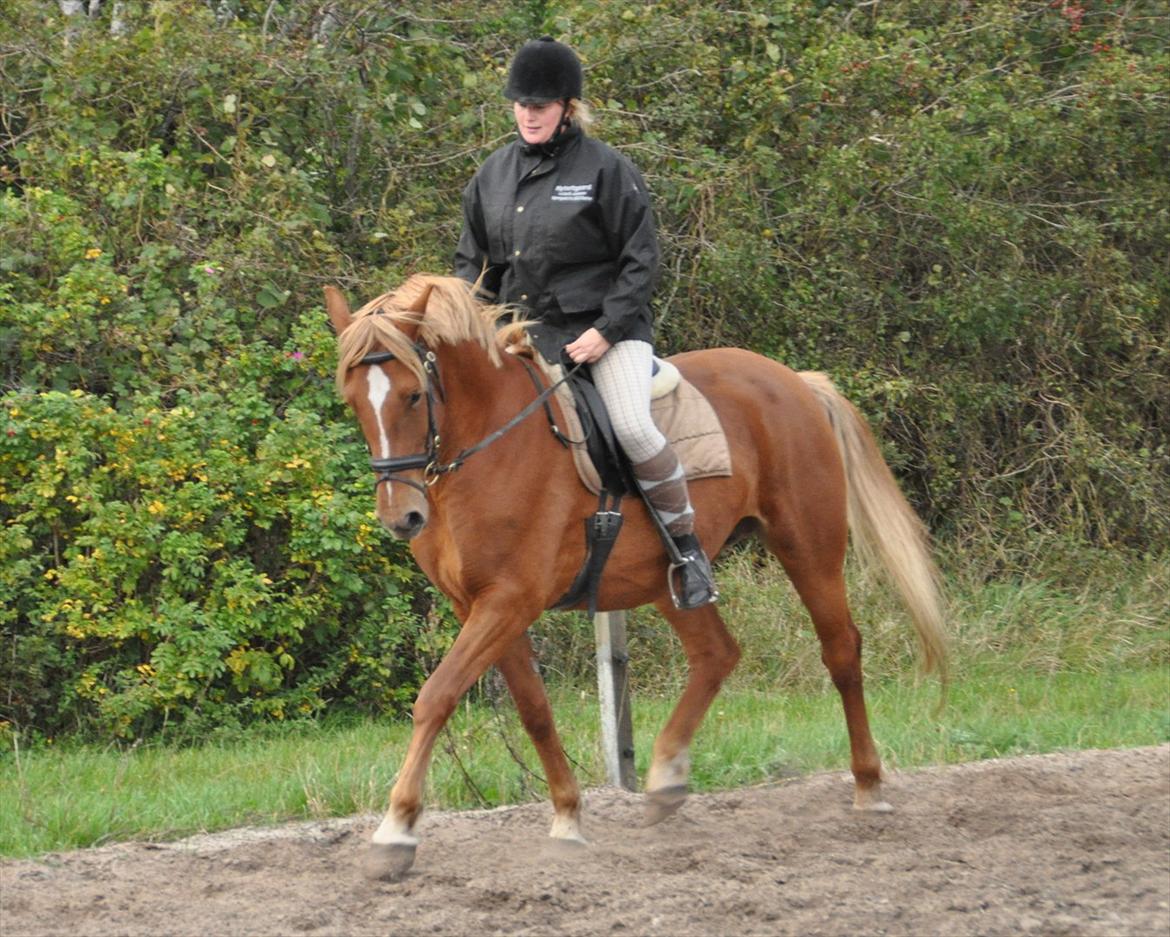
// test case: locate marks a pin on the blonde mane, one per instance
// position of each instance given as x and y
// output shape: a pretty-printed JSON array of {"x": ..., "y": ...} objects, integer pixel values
[{"x": 452, "y": 315}]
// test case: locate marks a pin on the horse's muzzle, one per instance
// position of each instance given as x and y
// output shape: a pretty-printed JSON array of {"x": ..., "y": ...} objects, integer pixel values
[{"x": 406, "y": 526}]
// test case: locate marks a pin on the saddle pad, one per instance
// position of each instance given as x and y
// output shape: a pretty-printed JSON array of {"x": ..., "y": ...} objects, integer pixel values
[{"x": 684, "y": 417}]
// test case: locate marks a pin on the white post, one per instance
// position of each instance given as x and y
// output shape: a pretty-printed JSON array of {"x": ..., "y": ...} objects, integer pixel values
[{"x": 613, "y": 690}]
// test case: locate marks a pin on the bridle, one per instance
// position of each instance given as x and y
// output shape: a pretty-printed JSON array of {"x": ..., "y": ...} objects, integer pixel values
[
  {"x": 387, "y": 470},
  {"x": 433, "y": 467}
]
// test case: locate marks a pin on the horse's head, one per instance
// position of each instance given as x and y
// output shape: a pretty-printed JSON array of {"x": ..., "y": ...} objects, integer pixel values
[{"x": 382, "y": 378}]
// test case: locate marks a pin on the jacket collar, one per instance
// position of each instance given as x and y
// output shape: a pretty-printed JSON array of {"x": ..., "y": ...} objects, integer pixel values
[{"x": 554, "y": 147}]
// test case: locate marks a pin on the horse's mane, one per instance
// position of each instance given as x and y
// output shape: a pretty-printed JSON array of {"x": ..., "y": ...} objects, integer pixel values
[{"x": 453, "y": 315}]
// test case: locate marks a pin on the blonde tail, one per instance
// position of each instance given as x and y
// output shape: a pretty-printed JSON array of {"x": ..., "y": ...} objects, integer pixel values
[{"x": 886, "y": 531}]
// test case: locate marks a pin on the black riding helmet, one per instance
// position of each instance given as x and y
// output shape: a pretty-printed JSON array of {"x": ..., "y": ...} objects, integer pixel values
[{"x": 544, "y": 70}]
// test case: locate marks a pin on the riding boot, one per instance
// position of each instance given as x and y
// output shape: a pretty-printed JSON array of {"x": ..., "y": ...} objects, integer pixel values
[
  {"x": 664, "y": 485},
  {"x": 695, "y": 581}
]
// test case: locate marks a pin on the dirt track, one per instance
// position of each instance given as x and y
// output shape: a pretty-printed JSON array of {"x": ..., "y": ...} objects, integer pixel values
[{"x": 1056, "y": 844}]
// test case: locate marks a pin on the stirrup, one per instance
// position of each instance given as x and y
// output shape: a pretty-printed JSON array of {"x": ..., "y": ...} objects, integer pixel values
[{"x": 695, "y": 579}]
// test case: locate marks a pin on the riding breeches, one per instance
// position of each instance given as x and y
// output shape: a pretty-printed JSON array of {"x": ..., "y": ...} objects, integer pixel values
[{"x": 622, "y": 378}]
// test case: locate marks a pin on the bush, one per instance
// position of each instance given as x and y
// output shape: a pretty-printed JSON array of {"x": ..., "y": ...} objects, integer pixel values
[
  {"x": 957, "y": 210},
  {"x": 188, "y": 529},
  {"x": 210, "y": 558}
]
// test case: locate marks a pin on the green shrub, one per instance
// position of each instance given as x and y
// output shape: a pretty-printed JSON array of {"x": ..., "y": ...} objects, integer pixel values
[
  {"x": 957, "y": 210},
  {"x": 208, "y": 558}
]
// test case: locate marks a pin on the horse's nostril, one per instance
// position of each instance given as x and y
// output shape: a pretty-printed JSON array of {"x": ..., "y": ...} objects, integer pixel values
[{"x": 407, "y": 526}]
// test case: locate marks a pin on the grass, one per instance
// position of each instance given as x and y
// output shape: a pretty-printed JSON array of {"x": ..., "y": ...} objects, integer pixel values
[
  {"x": 51, "y": 800},
  {"x": 1040, "y": 664}
]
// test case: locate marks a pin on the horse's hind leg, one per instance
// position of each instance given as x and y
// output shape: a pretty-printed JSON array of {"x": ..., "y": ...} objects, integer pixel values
[
  {"x": 712, "y": 654},
  {"x": 527, "y": 689},
  {"x": 823, "y": 594}
]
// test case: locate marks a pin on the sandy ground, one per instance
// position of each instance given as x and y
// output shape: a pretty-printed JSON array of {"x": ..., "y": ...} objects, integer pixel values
[{"x": 1057, "y": 844}]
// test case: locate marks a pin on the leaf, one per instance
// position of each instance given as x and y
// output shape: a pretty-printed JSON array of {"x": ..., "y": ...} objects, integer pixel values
[{"x": 271, "y": 296}]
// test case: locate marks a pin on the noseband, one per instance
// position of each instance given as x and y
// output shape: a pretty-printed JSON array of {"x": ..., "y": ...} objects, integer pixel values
[{"x": 388, "y": 470}]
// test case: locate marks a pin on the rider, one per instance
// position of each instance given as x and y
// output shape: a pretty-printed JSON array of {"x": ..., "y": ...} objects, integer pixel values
[{"x": 560, "y": 224}]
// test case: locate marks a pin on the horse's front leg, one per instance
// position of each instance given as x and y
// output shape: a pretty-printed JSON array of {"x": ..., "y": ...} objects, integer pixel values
[
  {"x": 527, "y": 689},
  {"x": 493, "y": 624}
]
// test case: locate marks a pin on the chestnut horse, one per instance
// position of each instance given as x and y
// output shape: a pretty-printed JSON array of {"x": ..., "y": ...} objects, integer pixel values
[{"x": 424, "y": 371}]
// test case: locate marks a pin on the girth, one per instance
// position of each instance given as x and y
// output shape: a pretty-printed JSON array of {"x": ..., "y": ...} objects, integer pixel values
[{"x": 617, "y": 480}]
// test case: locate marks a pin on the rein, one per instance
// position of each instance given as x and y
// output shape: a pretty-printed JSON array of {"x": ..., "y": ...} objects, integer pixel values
[{"x": 388, "y": 470}]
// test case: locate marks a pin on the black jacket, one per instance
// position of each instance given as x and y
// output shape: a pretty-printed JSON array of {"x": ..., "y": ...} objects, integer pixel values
[{"x": 568, "y": 234}]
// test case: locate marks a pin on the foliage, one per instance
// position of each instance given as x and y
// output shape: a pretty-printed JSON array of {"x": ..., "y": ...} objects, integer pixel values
[
  {"x": 958, "y": 210},
  {"x": 208, "y": 560}
]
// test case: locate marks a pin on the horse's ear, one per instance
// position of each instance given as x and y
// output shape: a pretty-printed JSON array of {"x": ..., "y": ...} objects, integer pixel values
[
  {"x": 419, "y": 308},
  {"x": 420, "y": 303},
  {"x": 338, "y": 309}
]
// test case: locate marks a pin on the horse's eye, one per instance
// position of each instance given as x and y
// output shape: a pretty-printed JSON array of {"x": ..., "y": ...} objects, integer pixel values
[{"x": 415, "y": 398}]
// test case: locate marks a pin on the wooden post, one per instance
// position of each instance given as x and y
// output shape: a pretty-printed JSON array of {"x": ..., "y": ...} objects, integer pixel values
[{"x": 613, "y": 689}]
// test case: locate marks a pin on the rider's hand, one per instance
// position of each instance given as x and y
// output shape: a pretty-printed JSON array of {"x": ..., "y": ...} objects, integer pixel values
[{"x": 589, "y": 347}]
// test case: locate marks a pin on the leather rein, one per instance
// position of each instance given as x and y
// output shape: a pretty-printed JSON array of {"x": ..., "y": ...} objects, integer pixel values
[{"x": 433, "y": 467}]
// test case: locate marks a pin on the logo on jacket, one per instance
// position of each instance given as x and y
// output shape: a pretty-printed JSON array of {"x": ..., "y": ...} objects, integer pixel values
[{"x": 573, "y": 193}]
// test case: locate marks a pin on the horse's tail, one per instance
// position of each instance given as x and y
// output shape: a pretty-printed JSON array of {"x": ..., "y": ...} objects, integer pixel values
[{"x": 885, "y": 529}]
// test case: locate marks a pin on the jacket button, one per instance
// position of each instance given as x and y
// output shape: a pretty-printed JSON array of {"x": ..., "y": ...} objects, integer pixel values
[
  {"x": 524, "y": 297},
  {"x": 519, "y": 208},
  {"x": 516, "y": 252}
]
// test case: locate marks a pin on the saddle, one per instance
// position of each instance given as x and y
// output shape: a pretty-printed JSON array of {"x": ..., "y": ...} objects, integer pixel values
[{"x": 681, "y": 413}]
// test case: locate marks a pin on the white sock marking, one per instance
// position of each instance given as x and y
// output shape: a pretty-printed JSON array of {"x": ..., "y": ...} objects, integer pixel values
[
  {"x": 393, "y": 832},
  {"x": 672, "y": 773}
]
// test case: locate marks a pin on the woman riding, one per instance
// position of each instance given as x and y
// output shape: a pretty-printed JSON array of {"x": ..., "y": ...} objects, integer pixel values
[{"x": 560, "y": 224}]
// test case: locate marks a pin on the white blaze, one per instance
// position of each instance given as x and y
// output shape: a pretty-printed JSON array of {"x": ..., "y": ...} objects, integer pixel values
[{"x": 379, "y": 389}]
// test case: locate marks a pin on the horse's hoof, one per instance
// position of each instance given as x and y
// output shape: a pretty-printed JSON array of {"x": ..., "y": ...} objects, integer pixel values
[
  {"x": 557, "y": 848},
  {"x": 870, "y": 801},
  {"x": 664, "y": 803},
  {"x": 567, "y": 829},
  {"x": 388, "y": 862}
]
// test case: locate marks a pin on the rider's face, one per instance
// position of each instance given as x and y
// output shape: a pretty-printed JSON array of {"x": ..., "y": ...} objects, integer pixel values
[{"x": 537, "y": 122}]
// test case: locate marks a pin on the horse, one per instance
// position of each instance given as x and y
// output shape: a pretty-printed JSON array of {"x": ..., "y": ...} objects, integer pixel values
[{"x": 492, "y": 507}]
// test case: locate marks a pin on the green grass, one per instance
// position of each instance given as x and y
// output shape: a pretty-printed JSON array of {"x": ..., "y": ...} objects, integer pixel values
[
  {"x": 1040, "y": 663},
  {"x": 52, "y": 800}
]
